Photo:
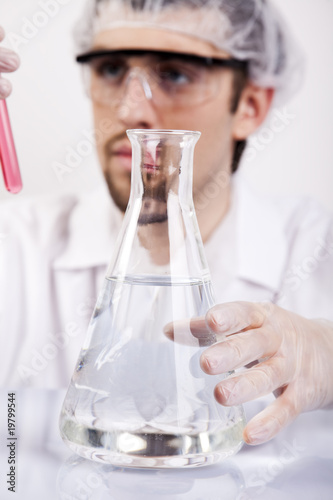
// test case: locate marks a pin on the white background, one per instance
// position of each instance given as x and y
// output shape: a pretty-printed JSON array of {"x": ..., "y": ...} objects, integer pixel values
[{"x": 50, "y": 113}]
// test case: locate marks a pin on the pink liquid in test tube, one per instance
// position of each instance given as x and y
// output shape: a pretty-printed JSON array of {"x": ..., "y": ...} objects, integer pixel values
[{"x": 8, "y": 157}]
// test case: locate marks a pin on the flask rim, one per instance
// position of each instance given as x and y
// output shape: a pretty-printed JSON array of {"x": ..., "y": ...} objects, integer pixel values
[{"x": 168, "y": 132}]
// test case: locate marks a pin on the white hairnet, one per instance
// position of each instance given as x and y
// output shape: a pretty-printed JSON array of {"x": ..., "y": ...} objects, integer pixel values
[{"x": 250, "y": 30}]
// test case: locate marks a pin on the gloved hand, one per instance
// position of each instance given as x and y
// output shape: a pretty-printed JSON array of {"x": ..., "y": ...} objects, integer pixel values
[
  {"x": 295, "y": 362},
  {"x": 9, "y": 61}
]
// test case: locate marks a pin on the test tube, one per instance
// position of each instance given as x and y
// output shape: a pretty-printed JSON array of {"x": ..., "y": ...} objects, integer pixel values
[{"x": 8, "y": 157}]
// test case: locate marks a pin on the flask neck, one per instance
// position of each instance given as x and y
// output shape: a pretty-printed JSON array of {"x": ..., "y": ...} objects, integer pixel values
[
  {"x": 160, "y": 233},
  {"x": 162, "y": 171}
]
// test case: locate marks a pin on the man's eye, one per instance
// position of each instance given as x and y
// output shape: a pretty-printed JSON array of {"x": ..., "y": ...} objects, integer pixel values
[
  {"x": 110, "y": 70},
  {"x": 173, "y": 75}
]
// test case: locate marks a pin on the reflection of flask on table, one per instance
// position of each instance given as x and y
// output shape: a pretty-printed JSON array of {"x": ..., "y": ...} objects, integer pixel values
[
  {"x": 79, "y": 478},
  {"x": 8, "y": 157},
  {"x": 138, "y": 397}
]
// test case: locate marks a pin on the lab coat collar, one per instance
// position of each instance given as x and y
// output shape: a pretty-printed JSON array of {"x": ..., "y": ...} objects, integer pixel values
[
  {"x": 93, "y": 225},
  {"x": 261, "y": 236}
]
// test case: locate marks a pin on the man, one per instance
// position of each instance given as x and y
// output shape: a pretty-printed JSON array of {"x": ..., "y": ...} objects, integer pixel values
[{"x": 142, "y": 62}]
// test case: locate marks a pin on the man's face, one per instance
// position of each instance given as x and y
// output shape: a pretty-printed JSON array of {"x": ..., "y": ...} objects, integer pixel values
[{"x": 212, "y": 118}]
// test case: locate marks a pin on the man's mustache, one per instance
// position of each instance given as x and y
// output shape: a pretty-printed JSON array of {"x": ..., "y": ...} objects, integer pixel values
[{"x": 109, "y": 145}]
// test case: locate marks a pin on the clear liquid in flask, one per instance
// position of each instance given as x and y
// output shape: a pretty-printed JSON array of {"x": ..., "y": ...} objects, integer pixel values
[{"x": 138, "y": 398}]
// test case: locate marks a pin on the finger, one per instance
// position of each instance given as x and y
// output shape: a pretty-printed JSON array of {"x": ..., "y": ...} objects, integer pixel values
[
  {"x": 180, "y": 331},
  {"x": 258, "y": 381},
  {"x": 272, "y": 420},
  {"x": 5, "y": 88},
  {"x": 2, "y": 33},
  {"x": 234, "y": 317},
  {"x": 9, "y": 60},
  {"x": 239, "y": 350},
  {"x": 189, "y": 332}
]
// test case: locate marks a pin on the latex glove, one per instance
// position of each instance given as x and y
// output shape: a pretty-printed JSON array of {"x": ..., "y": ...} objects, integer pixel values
[
  {"x": 297, "y": 364},
  {"x": 9, "y": 62}
]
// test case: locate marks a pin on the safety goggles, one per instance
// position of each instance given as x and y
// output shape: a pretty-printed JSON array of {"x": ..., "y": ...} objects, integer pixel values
[{"x": 168, "y": 79}]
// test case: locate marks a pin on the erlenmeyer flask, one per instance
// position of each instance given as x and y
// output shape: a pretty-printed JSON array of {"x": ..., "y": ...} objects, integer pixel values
[{"x": 138, "y": 397}]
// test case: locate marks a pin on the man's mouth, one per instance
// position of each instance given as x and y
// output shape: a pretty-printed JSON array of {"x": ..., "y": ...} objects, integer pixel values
[
  {"x": 149, "y": 168},
  {"x": 150, "y": 163},
  {"x": 124, "y": 154},
  {"x": 124, "y": 151}
]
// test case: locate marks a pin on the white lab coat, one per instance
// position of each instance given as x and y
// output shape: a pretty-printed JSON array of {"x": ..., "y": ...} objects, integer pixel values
[{"x": 54, "y": 254}]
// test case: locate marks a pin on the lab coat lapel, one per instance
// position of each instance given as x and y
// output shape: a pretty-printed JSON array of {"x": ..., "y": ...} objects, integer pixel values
[
  {"x": 261, "y": 236},
  {"x": 93, "y": 228}
]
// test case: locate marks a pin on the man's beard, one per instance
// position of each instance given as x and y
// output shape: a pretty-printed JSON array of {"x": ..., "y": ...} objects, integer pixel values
[
  {"x": 119, "y": 196},
  {"x": 156, "y": 215}
]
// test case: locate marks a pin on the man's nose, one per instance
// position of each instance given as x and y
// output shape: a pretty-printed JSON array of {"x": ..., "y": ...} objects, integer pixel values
[
  {"x": 136, "y": 108},
  {"x": 141, "y": 87}
]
